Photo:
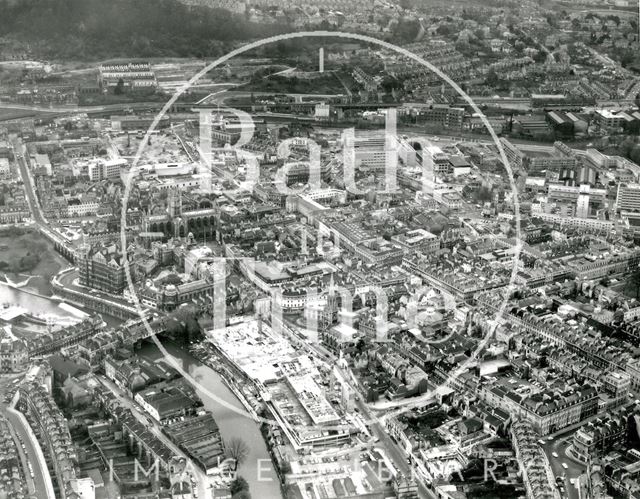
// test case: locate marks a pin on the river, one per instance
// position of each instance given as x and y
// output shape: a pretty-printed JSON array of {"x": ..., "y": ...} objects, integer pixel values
[{"x": 231, "y": 424}]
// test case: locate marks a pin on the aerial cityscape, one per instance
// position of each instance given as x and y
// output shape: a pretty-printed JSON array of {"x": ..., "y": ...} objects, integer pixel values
[{"x": 319, "y": 249}]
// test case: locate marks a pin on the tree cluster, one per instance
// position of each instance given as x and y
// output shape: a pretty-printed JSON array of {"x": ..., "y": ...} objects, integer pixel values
[
  {"x": 183, "y": 322},
  {"x": 240, "y": 489},
  {"x": 89, "y": 29}
]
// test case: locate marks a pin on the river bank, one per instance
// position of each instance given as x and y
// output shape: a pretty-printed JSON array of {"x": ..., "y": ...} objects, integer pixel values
[
  {"x": 243, "y": 392},
  {"x": 43, "y": 307}
]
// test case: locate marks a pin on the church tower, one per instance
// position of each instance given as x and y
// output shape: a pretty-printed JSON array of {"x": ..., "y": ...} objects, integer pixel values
[{"x": 174, "y": 203}]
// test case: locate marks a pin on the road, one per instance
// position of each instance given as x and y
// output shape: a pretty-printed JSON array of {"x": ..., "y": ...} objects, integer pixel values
[
  {"x": 559, "y": 443},
  {"x": 574, "y": 468},
  {"x": 24, "y": 461},
  {"x": 39, "y": 483},
  {"x": 70, "y": 109},
  {"x": 33, "y": 489},
  {"x": 20, "y": 153},
  {"x": 206, "y": 99}
]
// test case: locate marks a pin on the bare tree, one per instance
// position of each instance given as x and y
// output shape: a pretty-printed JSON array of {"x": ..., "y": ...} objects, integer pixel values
[{"x": 237, "y": 449}]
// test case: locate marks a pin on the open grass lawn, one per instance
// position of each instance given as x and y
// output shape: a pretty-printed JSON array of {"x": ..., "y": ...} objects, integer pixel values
[{"x": 27, "y": 253}]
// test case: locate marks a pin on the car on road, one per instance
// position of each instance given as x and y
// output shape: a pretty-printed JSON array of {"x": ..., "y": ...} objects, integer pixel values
[
  {"x": 554, "y": 454},
  {"x": 564, "y": 465}
]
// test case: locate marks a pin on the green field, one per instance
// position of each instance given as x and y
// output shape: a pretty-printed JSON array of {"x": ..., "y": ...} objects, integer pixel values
[{"x": 24, "y": 252}]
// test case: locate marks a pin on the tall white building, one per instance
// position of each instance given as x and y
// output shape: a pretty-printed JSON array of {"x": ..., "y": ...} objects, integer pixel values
[
  {"x": 513, "y": 154},
  {"x": 628, "y": 198},
  {"x": 582, "y": 203},
  {"x": 368, "y": 150},
  {"x": 105, "y": 169},
  {"x": 576, "y": 201}
]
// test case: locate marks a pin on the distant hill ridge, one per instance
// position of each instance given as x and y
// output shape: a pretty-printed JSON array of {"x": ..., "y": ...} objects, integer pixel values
[{"x": 94, "y": 29}]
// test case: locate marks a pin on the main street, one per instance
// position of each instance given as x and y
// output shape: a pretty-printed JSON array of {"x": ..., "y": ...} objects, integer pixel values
[
  {"x": 38, "y": 484},
  {"x": 25, "y": 461},
  {"x": 559, "y": 446},
  {"x": 21, "y": 155}
]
